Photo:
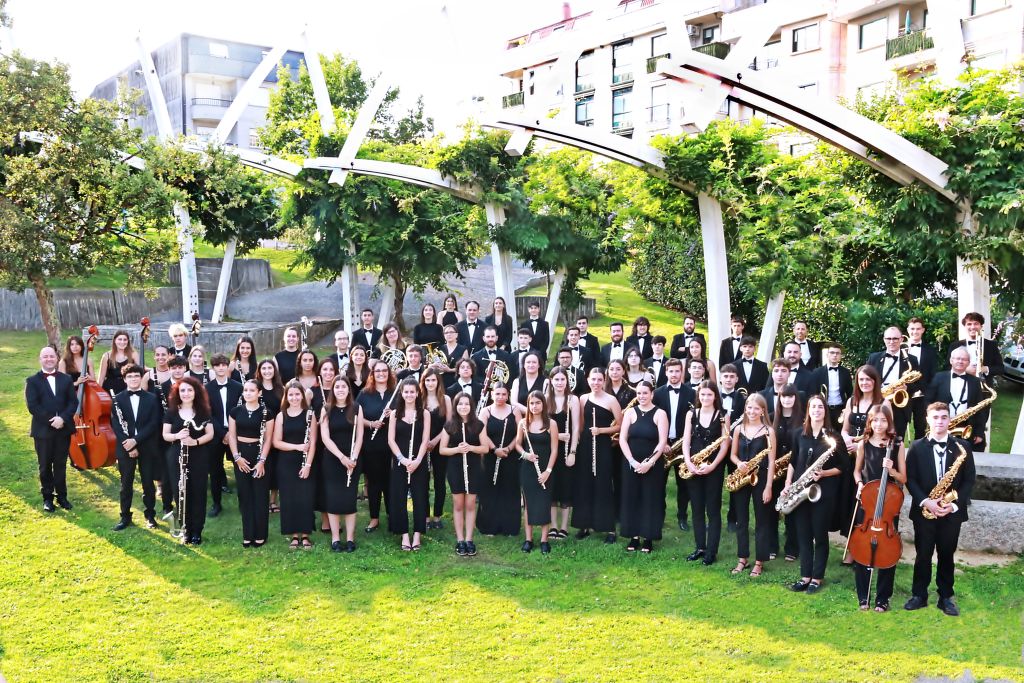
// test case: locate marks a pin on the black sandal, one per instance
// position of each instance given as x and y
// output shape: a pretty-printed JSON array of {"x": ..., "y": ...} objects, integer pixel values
[{"x": 294, "y": 545}]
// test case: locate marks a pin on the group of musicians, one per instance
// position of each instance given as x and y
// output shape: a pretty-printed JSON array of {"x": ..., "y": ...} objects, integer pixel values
[{"x": 466, "y": 406}]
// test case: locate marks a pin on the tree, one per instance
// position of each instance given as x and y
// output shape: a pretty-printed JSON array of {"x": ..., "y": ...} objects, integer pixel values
[{"x": 70, "y": 202}]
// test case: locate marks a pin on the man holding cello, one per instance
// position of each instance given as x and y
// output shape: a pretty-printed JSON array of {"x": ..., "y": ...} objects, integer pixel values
[{"x": 52, "y": 402}]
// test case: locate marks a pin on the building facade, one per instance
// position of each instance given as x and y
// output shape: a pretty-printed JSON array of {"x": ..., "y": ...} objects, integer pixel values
[{"x": 200, "y": 77}]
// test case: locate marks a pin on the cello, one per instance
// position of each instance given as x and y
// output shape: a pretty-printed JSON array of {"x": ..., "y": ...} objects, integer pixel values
[
  {"x": 875, "y": 543},
  {"x": 93, "y": 444}
]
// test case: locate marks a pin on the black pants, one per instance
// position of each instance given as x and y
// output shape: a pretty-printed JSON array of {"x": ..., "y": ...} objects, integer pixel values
[
  {"x": 376, "y": 465},
  {"x": 439, "y": 465},
  {"x": 743, "y": 499},
  {"x": 792, "y": 546},
  {"x": 919, "y": 407},
  {"x": 253, "y": 496},
  {"x": 884, "y": 579},
  {"x": 399, "y": 487},
  {"x": 812, "y": 523},
  {"x": 52, "y": 456},
  {"x": 218, "y": 478},
  {"x": 935, "y": 536},
  {"x": 126, "y": 466},
  {"x": 901, "y": 417},
  {"x": 730, "y": 515},
  {"x": 195, "y": 490},
  {"x": 682, "y": 497},
  {"x": 706, "y": 497},
  {"x": 161, "y": 474},
  {"x": 835, "y": 413}
]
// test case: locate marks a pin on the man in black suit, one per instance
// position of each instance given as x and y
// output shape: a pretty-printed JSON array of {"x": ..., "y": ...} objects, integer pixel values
[
  {"x": 224, "y": 394},
  {"x": 681, "y": 342},
  {"x": 589, "y": 341},
  {"x": 341, "y": 348},
  {"x": 539, "y": 329},
  {"x": 780, "y": 378},
  {"x": 367, "y": 335},
  {"x": 581, "y": 358},
  {"x": 577, "y": 378},
  {"x": 729, "y": 349},
  {"x": 616, "y": 348},
  {"x": 799, "y": 374},
  {"x": 656, "y": 363},
  {"x": 471, "y": 329},
  {"x": 986, "y": 360},
  {"x": 834, "y": 382},
  {"x": 52, "y": 402},
  {"x": 752, "y": 373},
  {"x": 137, "y": 423},
  {"x": 179, "y": 340},
  {"x": 676, "y": 399},
  {"x": 928, "y": 460},
  {"x": 523, "y": 346},
  {"x": 810, "y": 350},
  {"x": 928, "y": 362},
  {"x": 641, "y": 337},
  {"x": 892, "y": 364},
  {"x": 465, "y": 382},
  {"x": 960, "y": 391},
  {"x": 490, "y": 352}
]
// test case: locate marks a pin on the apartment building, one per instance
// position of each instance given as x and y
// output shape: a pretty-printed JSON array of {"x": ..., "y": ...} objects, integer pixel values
[
  {"x": 832, "y": 48},
  {"x": 200, "y": 77}
]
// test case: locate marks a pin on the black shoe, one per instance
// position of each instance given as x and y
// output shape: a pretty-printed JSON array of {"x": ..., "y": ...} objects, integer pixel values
[
  {"x": 731, "y": 526},
  {"x": 350, "y": 546},
  {"x": 813, "y": 588},
  {"x": 708, "y": 560},
  {"x": 48, "y": 506},
  {"x": 371, "y": 529},
  {"x": 65, "y": 503},
  {"x": 582, "y": 533},
  {"x": 647, "y": 546},
  {"x": 150, "y": 522},
  {"x": 545, "y": 547},
  {"x": 683, "y": 526},
  {"x": 122, "y": 525},
  {"x": 335, "y": 546},
  {"x": 214, "y": 511},
  {"x": 470, "y": 548},
  {"x": 634, "y": 545},
  {"x": 460, "y": 548},
  {"x": 225, "y": 489},
  {"x": 948, "y": 607},
  {"x": 197, "y": 540},
  {"x": 188, "y": 541},
  {"x": 800, "y": 586},
  {"x": 609, "y": 539},
  {"x": 527, "y": 546},
  {"x": 430, "y": 524},
  {"x": 915, "y": 602},
  {"x": 695, "y": 555}
]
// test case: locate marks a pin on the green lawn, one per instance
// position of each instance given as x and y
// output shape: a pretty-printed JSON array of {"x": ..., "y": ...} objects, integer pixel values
[{"x": 80, "y": 599}]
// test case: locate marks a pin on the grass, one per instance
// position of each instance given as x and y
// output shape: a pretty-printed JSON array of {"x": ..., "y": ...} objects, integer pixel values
[{"x": 98, "y": 605}]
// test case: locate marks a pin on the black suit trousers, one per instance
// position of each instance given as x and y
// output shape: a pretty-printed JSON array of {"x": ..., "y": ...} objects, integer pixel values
[
  {"x": 52, "y": 456},
  {"x": 145, "y": 463},
  {"x": 939, "y": 537},
  {"x": 219, "y": 452},
  {"x": 743, "y": 499}
]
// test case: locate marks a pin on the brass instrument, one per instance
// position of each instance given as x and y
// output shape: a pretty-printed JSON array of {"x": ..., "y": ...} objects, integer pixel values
[
  {"x": 701, "y": 456},
  {"x": 967, "y": 431},
  {"x": 781, "y": 464},
  {"x": 395, "y": 359},
  {"x": 805, "y": 487},
  {"x": 571, "y": 379},
  {"x": 897, "y": 391},
  {"x": 941, "y": 491},
  {"x": 738, "y": 479},
  {"x": 434, "y": 356}
]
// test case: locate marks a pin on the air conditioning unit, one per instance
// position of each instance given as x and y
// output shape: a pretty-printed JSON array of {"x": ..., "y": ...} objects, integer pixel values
[{"x": 692, "y": 30}]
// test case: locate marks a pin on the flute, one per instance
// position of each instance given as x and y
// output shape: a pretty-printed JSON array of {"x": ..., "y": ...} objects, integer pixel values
[
  {"x": 351, "y": 455},
  {"x": 501, "y": 444},
  {"x": 536, "y": 461},
  {"x": 412, "y": 438},
  {"x": 593, "y": 444},
  {"x": 568, "y": 417},
  {"x": 465, "y": 460},
  {"x": 387, "y": 407}
]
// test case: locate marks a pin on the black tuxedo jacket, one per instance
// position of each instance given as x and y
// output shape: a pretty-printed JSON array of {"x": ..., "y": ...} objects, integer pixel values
[
  {"x": 929, "y": 365},
  {"x": 759, "y": 375},
  {"x": 506, "y": 335},
  {"x": 686, "y": 400},
  {"x": 586, "y": 360},
  {"x": 634, "y": 340},
  {"x": 815, "y": 350},
  {"x": 541, "y": 335},
  {"x": 337, "y": 360},
  {"x": 819, "y": 383},
  {"x": 606, "y": 353},
  {"x": 593, "y": 347},
  {"x": 660, "y": 379},
  {"x": 938, "y": 390},
  {"x": 681, "y": 345},
  {"x": 990, "y": 355},
  {"x": 146, "y": 429},
  {"x": 771, "y": 397},
  {"x": 804, "y": 379},
  {"x": 43, "y": 404},
  {"x": 725, "y": 352},
  {"x": 482, "y": 360},
  {"x": 217, "y": 409},
  {"x": 581, "y": 380},
  {"x": 739, "y": 401},
  {"x": 877, "y": 359},
  {"x": 921, "y": 476},
  {"x": 518, "y": 356},
  {"x": 475, "y": 341},
  {"x": 368, "y": 338},
  {"x": 455, "y": 389}
]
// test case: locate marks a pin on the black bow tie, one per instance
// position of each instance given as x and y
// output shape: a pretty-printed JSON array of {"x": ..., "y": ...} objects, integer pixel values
[
  {"x": 915, "y": 346},
  {"x": 935, "y": 443},
  {"x": 834, "y": 369},
  {"x": 50, "y": 374},
  {"x": 465, "y": 385},
  {"x": 889, "y": 355},
  {"x": 971, "y": 343},
  {"x": 616, "y": 345},
  {"x": 803, "y": 343},
  {"x": 675, "y": 390},
  {"x": 134, "y": 393},
  {"x": 736, "y": 339},
  {"x": 728, "y": 394},
  {"x": 956, "y": 376},
  {"x": 749, "y": 361}
]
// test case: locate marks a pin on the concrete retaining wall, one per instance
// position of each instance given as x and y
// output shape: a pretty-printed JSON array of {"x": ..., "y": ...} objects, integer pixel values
[
  {"x": 247, "y": 275},
  {"x": 78, "y": 308}
]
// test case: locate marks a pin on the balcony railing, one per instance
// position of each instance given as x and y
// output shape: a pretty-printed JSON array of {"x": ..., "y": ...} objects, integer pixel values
[
  {"x": 908, "y": 43},
  {"x": 719, "y": 50},
  {"x": 210, "y": 102},
  {"x": 652, "y": 62},
  {"x": 514, "y": 100},
  {"x": 657, "y": 114},
  {"x": 622, "y": 77},
  {"x": 583, "y": 87}
]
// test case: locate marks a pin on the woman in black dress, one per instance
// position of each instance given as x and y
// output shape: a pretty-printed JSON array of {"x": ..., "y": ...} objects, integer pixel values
[
  {"x": 750, "y": 438},
  {"x": 635, "y": 370},
  {"x": 250, "y": 433},
  {"x": 271, "y": 394},
  {"x": 564, "y": 407},
  {"x": 114, "y": 361},
  {"x": 187, "y": 423},
  {"x": 357, "y": 371},
  {"x": 453, "y": 352},
  {"x": 644, "y": 437},
  {"x": 439, "y": 406},
  {"x": 71, "y": 362},
  {"x": 502, "y": 321},
  {"x": 872, "y": 459},
  {"x": 624, "y": 396},
  {"x": 374, "y": 404},
  {"x": 705, "y": 424},
  {"x": 197, "y": 365},
  {"x": 537, "y": 445},
  {"x": 789, "y": 415},
  {"x": 499, "y": 511},
  {"x": 390, "y": 340},
  {"x": 813, "y": 519},
  {"x": 295, "y": 439},
  {"x": 464, "y": 441},
  {"x": 408, "y": 430},
  {"x": 428, "y": 331},
  {"x": 593, "y": 496},
  {"x": 530, "y": 379},
  {"x": 451, "y": 315},
  {"x": 342, "y": 437},
  {"x": 287, "y": 357},
  {"x": 327, "y": 374},
  {"x": 243, "y": 360}
]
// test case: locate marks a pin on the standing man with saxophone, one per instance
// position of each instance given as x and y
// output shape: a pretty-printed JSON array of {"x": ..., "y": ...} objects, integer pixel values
[
  {"x": 961, "y": 392},
  {"x": 940, "y": 477},
  {"x": 894, "y": 364}
]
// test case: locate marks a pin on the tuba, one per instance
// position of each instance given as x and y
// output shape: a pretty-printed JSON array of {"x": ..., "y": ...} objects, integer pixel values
[
  {"x": 941, "y": 491},
  {"x": 805, "y": 487}
]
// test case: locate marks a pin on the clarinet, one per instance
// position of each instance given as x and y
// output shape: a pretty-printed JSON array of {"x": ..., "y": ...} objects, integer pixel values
[
  {"x": 159, "y": 389},
  {"x": 593, "y": 444},
  {"x": 536, "y": 462},
  {"x": 305, "y": 441},
  {"x": 568, "y": 419},
  {"x": 263, "y": 429},
  {"x": 120, "y": 420},
  {"x": 182, "y": 531},
  {"x": 465, "y": 460},
  {"x": 351, "y": 454},
  {"x": 501, "y": 444},
  {"x": 412, "y": 438}
]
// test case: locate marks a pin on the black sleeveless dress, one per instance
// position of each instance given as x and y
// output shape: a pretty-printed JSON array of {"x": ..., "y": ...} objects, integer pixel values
[
  {"x": 296, "y": 493},
  {"x": 561, "y": 483},
  {"x": 525, "y": 388},
  {"x": 593, "y": 493},
  {"x": 538, "y": 498},
  {"x": 643, "y": 495},
  {"x": 499, "y": 512},
  {"x": 449, "y": 318},
  {"x": 473, "y": 471},
  {"x": 114, "y": 380},
  {"x": 339, "y": 492},
  {"x": 408, "y": 437}
]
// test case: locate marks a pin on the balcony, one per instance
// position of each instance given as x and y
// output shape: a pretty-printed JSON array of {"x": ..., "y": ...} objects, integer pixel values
[
  {"x": 622, "y": 78},
  {"x": 719, "y": 50},
  {"x": 210, "y": 102},
  {"x": 652, "y": 62},
  {"x": 584, "y": 87},
  {"x": 516, "y": 99},
  {"x": 658, "y": 115},
  {"x": 208, "y": 108},
  {"x": 908, "y": 43}
]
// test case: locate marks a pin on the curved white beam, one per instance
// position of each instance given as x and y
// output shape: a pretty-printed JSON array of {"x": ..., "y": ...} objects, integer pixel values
[{"x": 416, "y": 175}]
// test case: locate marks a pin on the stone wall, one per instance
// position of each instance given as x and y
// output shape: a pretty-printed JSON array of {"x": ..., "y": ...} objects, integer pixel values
[{"x": 247, "y": 275}]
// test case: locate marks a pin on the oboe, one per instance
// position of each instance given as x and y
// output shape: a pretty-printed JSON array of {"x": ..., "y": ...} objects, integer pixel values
[
  {"x": 465, "y": 460},
  {"x": 159, "y": 389},
  {"x": 501, "y": 444},
  {"x": 305, "y": 440},
  {"x": 536, "y": 461},
  {"x": 593, "y": 444},
  {"x": 351, "y": 455}
]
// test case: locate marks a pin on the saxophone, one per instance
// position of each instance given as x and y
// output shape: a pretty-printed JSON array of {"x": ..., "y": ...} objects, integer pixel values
[
  {"x": 897, "y": 391},
  {"x": 781, "y": 464},
  {"x": 941, "y": 491},
  {"x": 805, "y": 487},
  {"x": 699, "y": 458},
  {"x": 967, "y": 431},
  {"x": 738, "y": 479}
]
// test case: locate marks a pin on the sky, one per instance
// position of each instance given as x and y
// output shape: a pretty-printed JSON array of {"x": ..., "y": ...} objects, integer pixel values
[{"x": 443, "y": 49}]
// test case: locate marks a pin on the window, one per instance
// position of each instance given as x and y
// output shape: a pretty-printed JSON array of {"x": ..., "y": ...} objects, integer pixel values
[
  {"x": 805, "y": 38},
  {"x": 659, "y": 105},
  {"x": 218, "y": 50},
  {"x": 726, "y": 107},
  {"x": 659, "y": 44},
  {"x": 622, "y": 62},
  {"x": 585, "y": 111},
  {"x": 622, "y": 114},
  {"x": 873, "y": 33},
  {"x": 585, "y": 72},
  {"x": 709, "y": 34},
  {"x": 982, "y": 6}
]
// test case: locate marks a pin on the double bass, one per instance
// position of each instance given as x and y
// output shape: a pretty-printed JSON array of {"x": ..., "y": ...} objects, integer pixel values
[
  {"x": 875, "y": 542},
  {"x": 93, "y": 444}
]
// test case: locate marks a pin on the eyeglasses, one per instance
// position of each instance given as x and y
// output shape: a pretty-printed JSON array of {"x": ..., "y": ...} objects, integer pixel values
[{"x": 892, "y": 338}]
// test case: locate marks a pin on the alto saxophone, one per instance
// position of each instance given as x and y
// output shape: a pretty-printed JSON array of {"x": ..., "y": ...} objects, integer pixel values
[
  {"x": 738, "y": 479},
  {"x": 942, "y": 492},
  {"x": 897, "y": 391},
  {"x": 700, "y": 457},
  {"x": 781, "y": 464},
  {"x": 805, "y": 487},
  {"x": 967, "y": 431}
]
